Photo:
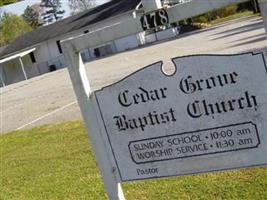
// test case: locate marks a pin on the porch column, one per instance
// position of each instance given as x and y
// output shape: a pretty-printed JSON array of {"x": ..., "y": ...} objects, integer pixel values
[
  {"x": 1, "y": 76},
  {"x": 22, "y": 67}
]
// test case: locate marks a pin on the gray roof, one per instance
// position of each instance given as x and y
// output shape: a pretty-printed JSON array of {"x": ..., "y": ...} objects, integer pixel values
[{"x": 76, "y": 22}]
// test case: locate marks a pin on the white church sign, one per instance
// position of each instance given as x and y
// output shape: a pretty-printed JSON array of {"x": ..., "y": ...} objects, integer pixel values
[{"x": 211, "y": 114}]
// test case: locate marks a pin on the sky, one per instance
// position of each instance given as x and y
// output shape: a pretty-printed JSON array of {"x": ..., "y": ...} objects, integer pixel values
[{"x": 18, "y": 8}]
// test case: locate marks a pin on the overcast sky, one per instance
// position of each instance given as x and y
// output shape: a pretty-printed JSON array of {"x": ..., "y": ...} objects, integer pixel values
[{"x": 18, "y": 8}]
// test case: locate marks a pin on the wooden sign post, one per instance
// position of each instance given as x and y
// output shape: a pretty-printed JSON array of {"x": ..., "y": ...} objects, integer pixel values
[{"x": 209, "y": 115}]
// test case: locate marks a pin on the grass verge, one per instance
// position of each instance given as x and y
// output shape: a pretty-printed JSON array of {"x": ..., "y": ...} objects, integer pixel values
[
  {"x": 234, "y": 16},
  {"x": 57, "y": 162}
]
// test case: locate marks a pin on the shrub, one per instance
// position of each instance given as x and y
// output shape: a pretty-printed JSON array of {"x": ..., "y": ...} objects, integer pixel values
[{"x": 213, "y": 15}]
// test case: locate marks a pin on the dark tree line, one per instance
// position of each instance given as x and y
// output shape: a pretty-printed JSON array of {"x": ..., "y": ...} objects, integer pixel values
[
  {"x": 52, "y": 10},
  {"x": 49, "y": 11},
  {"x": 255, "y": 6}
]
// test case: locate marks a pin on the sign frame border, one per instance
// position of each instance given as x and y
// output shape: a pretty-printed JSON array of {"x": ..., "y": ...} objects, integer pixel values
[{"x": 176, "y": 70}]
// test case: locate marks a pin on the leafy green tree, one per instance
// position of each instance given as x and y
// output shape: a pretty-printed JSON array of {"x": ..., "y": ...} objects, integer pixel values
[
  {"x": 2, "y": 40},
  {"x": 6, "y": 2},
  {"x": 11, "y": 27},
  {"x": 32, "y": 15},
  {"x": 77, "y": 6}
]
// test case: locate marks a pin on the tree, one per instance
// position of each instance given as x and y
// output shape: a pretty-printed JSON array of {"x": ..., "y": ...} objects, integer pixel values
[
  {"x": 77, "y": 6},
  {"x": 52, "y": 11},
  {"x": 11, "y": 27},
  {"x": 32, "y": 15},
  {"x": 6, "y": 2},
  {"x": 255, "y": 6},
  {"x": 2, "y": 39}
]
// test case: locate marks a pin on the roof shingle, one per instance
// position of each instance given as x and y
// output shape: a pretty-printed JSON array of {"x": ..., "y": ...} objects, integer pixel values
[{"x": 76, "y": 22}]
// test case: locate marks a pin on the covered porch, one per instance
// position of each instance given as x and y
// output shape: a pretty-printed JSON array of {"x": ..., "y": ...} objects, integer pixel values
[{"x": 17, "y": 67}]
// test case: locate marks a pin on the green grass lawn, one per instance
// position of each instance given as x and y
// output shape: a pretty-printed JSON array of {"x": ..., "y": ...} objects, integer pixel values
[{"x": 57, "y": 162}]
